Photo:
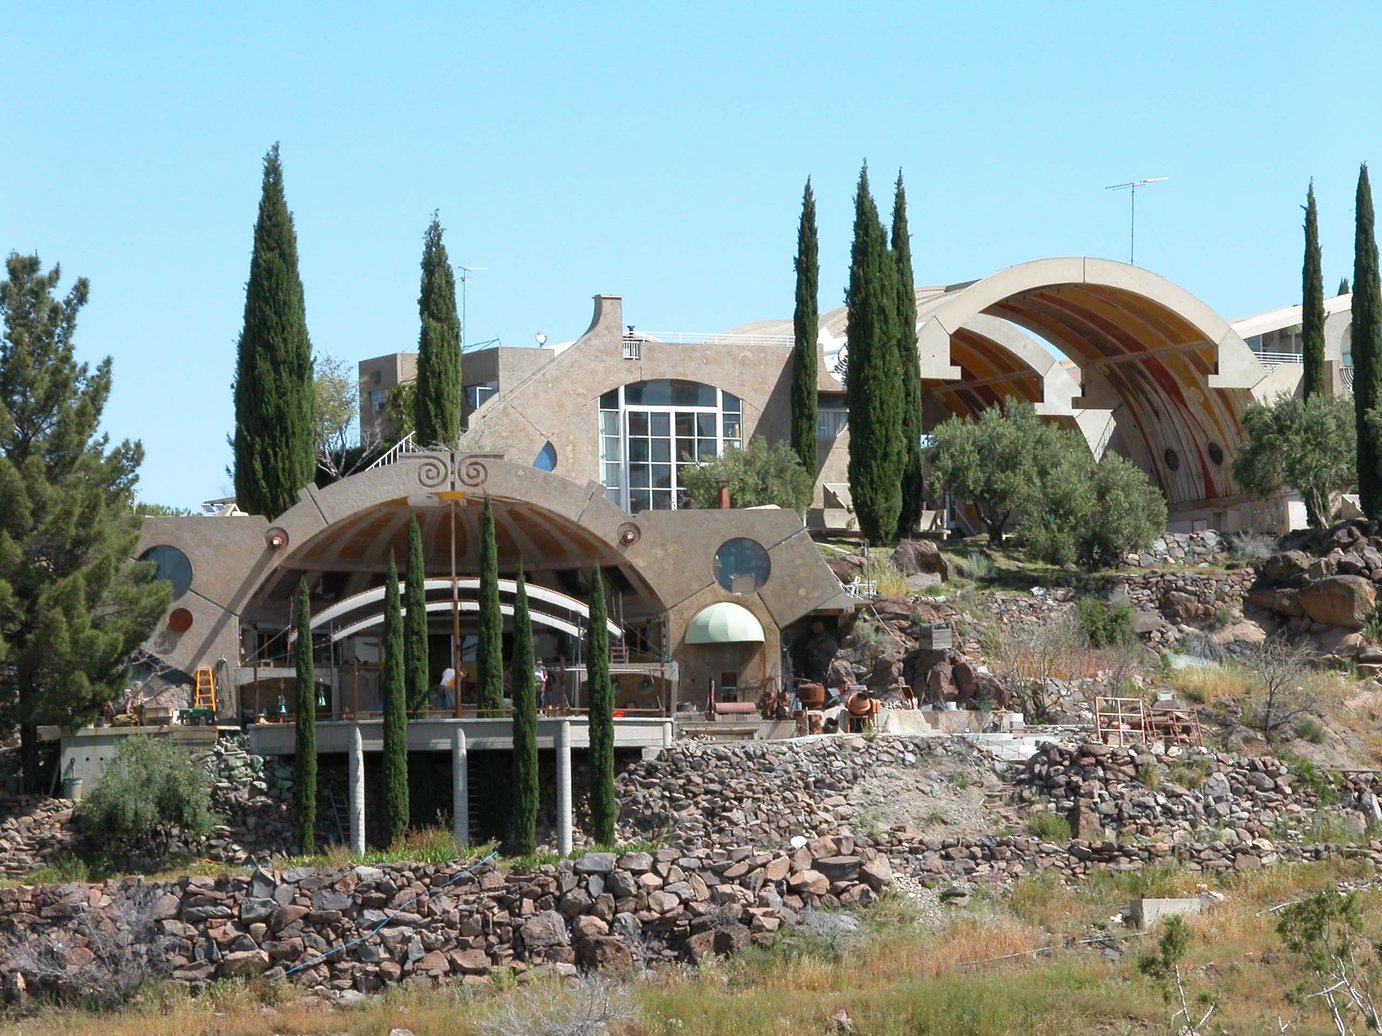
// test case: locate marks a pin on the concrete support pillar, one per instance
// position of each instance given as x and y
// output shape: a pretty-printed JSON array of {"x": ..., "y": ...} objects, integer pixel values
[
  {"x": 460, "y": 789},
  {"x": 564, "y": 787},
  {"x": 667, "y": 734},
  {"x": 357, "y": 792}
]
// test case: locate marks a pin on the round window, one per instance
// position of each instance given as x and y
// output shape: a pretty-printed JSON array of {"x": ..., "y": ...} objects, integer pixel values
[
  {"x": 172, "y": 566},
  {"x": 1216, "y": 453},
  {"x": 742, "y": 565},
  {"x": 1172, "y": 459}
]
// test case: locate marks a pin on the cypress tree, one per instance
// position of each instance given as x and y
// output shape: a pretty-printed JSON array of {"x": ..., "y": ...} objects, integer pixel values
[
  {"x": 72, "y": 605},
  {"x": 1367, "y": 332},
  {"x": 1312, "y": 302},
  {"x": 805, "y": 331},
  {"x": 912, "y": 476},
  {"x": 437, "y": 402},
  {"x": 305, "y": 732},
  {"x": 525, "y": 785},
  {"x": 875, "y": 381},
  {"x": 275, "y": 453},
  {"x": 415, "y": 621},
  {"x": 600, "y": 691},
  {"x": 394, "y": 694},
  {"x": 489, "y": 653},
  {"x": 1344, "y": 289}
]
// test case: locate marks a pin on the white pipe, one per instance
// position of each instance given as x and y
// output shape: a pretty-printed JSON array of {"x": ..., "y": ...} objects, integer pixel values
[
  {"x": 357, "y": 792},
  {"x": 564, "y": 787},
  {"x": 460, "y": 790},
  {"x": 377, "y": 619}
]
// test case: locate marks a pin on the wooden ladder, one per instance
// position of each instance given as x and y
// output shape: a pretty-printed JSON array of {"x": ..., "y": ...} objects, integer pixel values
[{"x": 204, "y": 689}]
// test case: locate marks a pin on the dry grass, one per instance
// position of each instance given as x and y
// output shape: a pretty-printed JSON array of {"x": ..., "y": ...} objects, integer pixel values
[{"x": 1205, "y": 685}]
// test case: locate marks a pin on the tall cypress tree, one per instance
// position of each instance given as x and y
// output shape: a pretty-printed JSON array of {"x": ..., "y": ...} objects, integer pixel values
[
  {"x": 525, "y": 784},
  {"x": 912, "y": 476},
  {"x": 600, "y": 691},
  {"x": 394, "y": 694},
  {"x": 1312, "y": 302},
  {"x": 437, "y": 401},
  {"x": 274, "y": 449},
  {"x": 415, "y": 621},
  {"x": 875, "y": 380},
  {"x": 1367, "y": 344},
  {"x": 305, "y": 732},
  {"x": 1344, "y": 289},
  {"x": 805, "y": 331},
  {"x": 489, "y": 653},
  {"x": 72, "y": 605}
]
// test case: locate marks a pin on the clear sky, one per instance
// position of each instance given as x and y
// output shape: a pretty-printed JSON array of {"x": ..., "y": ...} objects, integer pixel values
[{"x": 655, "y": 151}]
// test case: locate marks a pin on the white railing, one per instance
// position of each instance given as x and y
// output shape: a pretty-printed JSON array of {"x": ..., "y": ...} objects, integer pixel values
[
  {"x": 1346, "y": 376},
  {"x": 699, "y": 338},
  {"x": 1270, "y": 359},
  {"x": 403, "y": 446}
]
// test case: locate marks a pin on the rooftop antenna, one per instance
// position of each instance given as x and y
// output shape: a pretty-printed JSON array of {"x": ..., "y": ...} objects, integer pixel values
[
  {"x": 466, "y": 273},
  {"x": 1131, "y": 188}
]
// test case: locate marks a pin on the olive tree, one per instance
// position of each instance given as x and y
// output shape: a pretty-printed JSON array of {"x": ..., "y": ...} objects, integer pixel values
[{"x": 1308, "y": 445}]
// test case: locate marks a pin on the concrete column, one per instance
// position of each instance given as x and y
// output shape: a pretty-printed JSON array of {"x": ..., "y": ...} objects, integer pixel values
[
  {"x": 357, "y": 791},
  {"x": 564, "y": 787},
  {"x": 667, "y": 734},
  {"x": 460, "y": 789}
]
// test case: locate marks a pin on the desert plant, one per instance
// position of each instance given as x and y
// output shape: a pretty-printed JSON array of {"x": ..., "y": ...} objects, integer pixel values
[
  {"x": 590, "y": 1006},
  {"x": 1164, "y": 967},
  {"x": 1028, "y": 658},
  {"x": 1148, "y": 774},
  {"x": 1251, "y": 546},
  {"x": 1283, "y": 691},
  {"x": 1372, "y": 629},
  {"x": 1104, "y": 624},
  {"x": 1310, "y": 729},
  {"x": 1326, "y": 930},
  {"x": 152, "y": 791},
  {"x": 1049, "y": 826}
]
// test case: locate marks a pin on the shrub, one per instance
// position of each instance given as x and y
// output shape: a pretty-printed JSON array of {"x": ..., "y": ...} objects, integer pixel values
[
  {"x": 1310, "y": 729},
  {"x": 756, "y": 475},
  {"x": 1049, "y": 827},
  {"x": 1321, "y": 782},
  {"x": 151, "y": 791},
  {"x": 1148, "y": 775},
  {"x": 1088, "y": 513},
  {"x": 1104, "y": 625},
  {"x": 1222, "y": 617},
  {"x": 1251, "y": 546},
  {"x": 1372, "y": 629},
  {"x": 975, "y": 566},
  {"x": 1308, "y": 445}
]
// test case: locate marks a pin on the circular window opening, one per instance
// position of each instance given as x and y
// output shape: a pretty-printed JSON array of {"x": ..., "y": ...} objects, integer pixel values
[
  {"x": 1216, "y": 453},
  {"x": 742, "y": 565},
  {"x": 172, "y": 565},
  {"x": 1172, "y": 459}
]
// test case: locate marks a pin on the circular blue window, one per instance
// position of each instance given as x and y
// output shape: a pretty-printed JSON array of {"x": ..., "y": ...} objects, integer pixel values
[
  {"x": 742, "y": 565},
  {"x": 172, "y": 565}
]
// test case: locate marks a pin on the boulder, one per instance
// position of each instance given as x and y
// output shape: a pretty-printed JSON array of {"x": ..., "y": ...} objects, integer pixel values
[
  {"x": 1288, "y": 569},
  {"x": 1278, "y": 602},
  {"x": 604, "y": 953},
  {"x": 545, "y": 930},
  {"x": 915, "y": 556},
  {"x": 1344, "y": 601}
]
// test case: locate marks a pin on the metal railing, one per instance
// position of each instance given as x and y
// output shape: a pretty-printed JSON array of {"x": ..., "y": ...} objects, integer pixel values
[
  {"x": 701, "y": 338},
  {"x": 1346, "y": 375},
  {"x": 1270, "y": 359},
  {"x": 404, "y": 445}
]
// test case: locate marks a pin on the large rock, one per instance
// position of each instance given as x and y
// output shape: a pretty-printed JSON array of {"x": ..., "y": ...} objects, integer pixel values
[
  {"x": 1279, "y": 602},
  {"x": 545, "y": 930},
  {"x": 1288, "y": 568},
  {"x": 1345, "y": 601},
  {"x": 604, "y": 953},
  {"x": 915, "y": 556}
]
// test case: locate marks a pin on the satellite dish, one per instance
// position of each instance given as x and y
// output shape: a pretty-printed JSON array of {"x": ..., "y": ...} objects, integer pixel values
[{"x": 541, "y": 337}]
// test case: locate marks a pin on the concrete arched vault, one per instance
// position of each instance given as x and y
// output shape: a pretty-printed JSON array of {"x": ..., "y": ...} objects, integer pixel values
[{"x": 1172, "y": 373}]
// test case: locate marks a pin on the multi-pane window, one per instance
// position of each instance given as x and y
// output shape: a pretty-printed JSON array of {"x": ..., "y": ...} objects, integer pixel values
[
  {"x": 830, "y": 422},
  {"x": 651, "y": 431}
]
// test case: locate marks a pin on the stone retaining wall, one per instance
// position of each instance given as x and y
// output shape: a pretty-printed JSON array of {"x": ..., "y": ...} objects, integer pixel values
[{"x": 599, "y": 911}]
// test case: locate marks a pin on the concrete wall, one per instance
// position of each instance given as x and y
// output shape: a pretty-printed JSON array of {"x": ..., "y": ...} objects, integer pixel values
[{"x": 382, "y": 373}]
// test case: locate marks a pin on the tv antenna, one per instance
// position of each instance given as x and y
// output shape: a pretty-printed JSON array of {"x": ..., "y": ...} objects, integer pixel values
[
  {"x": 1131, "y": 188},
  {"x": 466, "y": 272}
]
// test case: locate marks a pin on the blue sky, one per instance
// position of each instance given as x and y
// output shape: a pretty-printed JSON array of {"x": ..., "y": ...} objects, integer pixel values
[{"x": 652, "y": 151}]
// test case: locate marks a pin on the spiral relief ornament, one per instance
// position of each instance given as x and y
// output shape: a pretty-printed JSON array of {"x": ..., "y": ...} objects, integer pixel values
[
  {"x": 471, "y": 471},
  {"x": 433, "y": 471}
]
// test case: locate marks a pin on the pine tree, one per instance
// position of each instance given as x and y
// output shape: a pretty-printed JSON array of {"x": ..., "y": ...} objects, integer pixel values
[
  {"x": 489, "y": 653},
  {"x": 805, "y": 331},
  {"x": 912, "y": 475},
  {"x": 305, "y": 732},
  {"x": 275, "y": 454},
  {"x": 600, "y": 691},
  {"x": 1367, "y": 343},
  {"x": 437, "y": 402},
  {"x": 72, "y": 605},
  {"x": 393, "y": 693},
  {"x": 875, "y": 381},
  {"x": 1312, "y": 302},
  {"x": 525, "y": 784},
  {"x": 415, "y": 621}
]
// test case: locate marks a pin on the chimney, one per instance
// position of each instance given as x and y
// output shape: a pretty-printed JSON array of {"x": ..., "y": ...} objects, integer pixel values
[{"x": 722, "y": 497}]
